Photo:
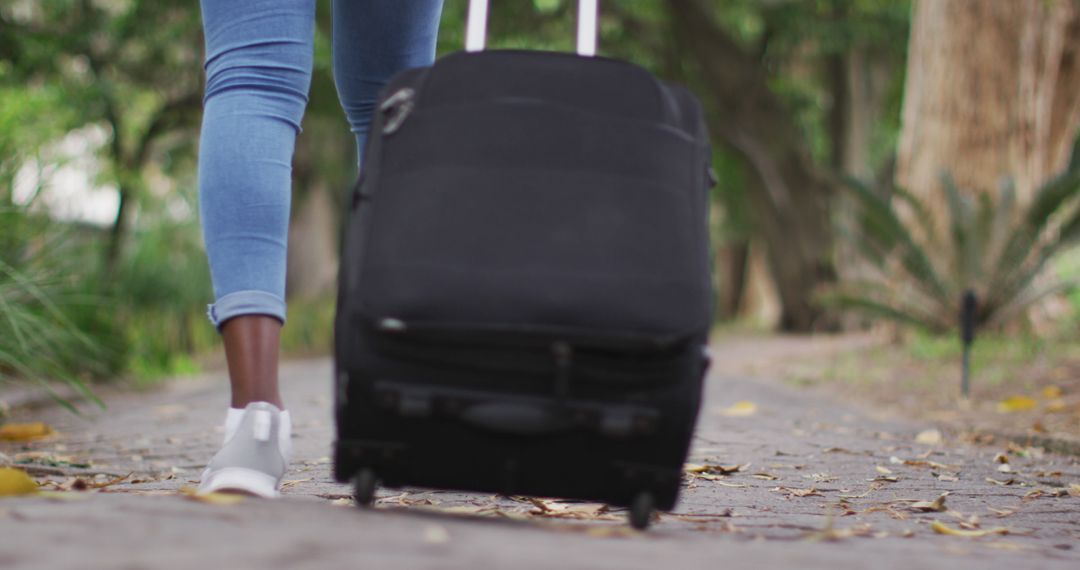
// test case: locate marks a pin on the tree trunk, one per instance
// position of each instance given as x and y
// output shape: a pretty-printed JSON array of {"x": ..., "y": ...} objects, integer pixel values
[
  {"x": 791, "y": 197},
  {"x": 732, "y": 263},
  {"x": 119, "y": 230},
  {"x": 993, "y": 91},
  {"x": 313, "y": 240}
]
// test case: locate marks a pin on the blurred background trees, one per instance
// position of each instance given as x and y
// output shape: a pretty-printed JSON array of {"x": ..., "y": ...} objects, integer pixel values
[{"x": 832, "y": 131}]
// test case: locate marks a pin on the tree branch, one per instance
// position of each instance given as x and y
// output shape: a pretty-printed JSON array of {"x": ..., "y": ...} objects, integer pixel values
[{"x": 172, "y": 115}]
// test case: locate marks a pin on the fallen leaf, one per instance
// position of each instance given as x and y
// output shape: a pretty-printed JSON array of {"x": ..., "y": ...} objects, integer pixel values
[
  {"x": 1003, "y": 483},
  {"x": 1004, "y": 468},
  {"x": 970, "y": 523},
  {"x": 1001, "y": 458},
  {"x": 1051, "y": 392},
  {"x": 1036, "y": 493},
  {"x": 861, "y": 495},
  {"x": 790, "y": 492},
  {"x": 1016, "y": 404},
  {"x": 1056, "y": 406},
  {"x": 942, "y": 528},
  {"x": 765, "y": 476},
  {"x": 699, "y": 517},
  {"x": 889, "y": 509},
  {"x": 740, "y": 409},
  {"x": 560, "y": 509},
  {"x": 15, "y": 482},
  {"x": 947, "y": 477},
  {"x": 885, "y": 479},
  {"x": 937, "y": 505},
  {"x": 294, "y": 482},
  {"x": 108, "y": 483},
  {"x": 830, "y": 534},
  {"x": 25, "y": 432},
  {"x": 929, "y": 437},
  {"x": 714, "y": 469},
  {"x": 222, "y": 499},
  {"x": 883, "y": 470},
  {"x": 1002, "y": 513},
  {"x": 1030, "y": 452},
  {"x": 1074, "y": 490}
]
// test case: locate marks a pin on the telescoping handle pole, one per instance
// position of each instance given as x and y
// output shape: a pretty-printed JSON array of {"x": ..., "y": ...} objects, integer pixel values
[{"x": 588, "y": 12}]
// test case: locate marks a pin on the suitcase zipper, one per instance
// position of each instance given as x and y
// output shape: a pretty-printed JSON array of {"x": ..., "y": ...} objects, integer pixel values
[
  {"x": 571, "y": 360},
  {"x": 526, "y": 336}
]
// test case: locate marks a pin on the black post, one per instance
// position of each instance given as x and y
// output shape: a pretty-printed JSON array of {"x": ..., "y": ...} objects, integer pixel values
[{"x": 968, "y": 307}]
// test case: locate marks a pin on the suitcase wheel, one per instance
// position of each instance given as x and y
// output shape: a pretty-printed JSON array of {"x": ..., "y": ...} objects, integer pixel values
[
  {"x": 641, "y": 510},
  {"x": 364, "y": 487}
]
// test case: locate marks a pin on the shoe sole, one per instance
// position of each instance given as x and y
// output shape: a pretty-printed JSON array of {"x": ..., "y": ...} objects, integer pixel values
[{"x": 240, "y": 480}]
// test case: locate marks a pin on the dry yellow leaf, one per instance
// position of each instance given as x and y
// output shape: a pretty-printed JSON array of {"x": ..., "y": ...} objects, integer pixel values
[
  {"x": 883, "y": 470},
  {"x": 1016, "y": 404},
  {"x": 942, "y": 528},
  {"x": 740, "y": 409},
  {"x": 937, "y": 505},
  {"x": 791, "y": 492},
  {"x": 25, "y": 432},
  {"x": 1074, "y": 490},
  {"x": 15, "y": 482},
  {"x": 1056, "y": 406},
  {"x": 714, "y": 469},
  {"x": 211, "y": 498},
  {"x": 929, "y": 437},
  {"x": 1051, "y": 392}
]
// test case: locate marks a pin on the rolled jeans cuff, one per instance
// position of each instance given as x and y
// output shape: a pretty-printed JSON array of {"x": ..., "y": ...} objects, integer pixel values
[{"x": 246, "y": 303}]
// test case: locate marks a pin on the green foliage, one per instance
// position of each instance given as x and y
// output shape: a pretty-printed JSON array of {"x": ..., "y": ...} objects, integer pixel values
[
  {"x": 917, "y": 273},
  {"x": 159, "y": 294},
  {"x": 39, "y": 294},
  {"x": 309, "y": 327}
]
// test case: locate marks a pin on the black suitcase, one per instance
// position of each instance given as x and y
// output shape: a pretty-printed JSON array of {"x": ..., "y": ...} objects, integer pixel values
[{"x": 524, "y": 296}]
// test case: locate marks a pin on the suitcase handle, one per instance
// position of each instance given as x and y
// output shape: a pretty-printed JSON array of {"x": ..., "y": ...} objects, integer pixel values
[{"x": 588, "y": 14}]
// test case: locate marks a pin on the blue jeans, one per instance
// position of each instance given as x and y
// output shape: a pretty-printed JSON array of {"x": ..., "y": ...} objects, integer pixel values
[{"x": 258, "y": 69}]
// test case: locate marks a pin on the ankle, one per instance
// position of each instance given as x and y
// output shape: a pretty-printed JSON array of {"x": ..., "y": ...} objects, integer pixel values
[{"x": 240, "y": 401}]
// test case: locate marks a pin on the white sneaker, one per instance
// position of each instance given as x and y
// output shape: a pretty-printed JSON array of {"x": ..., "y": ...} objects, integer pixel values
[{"x": 256, "y": 452}]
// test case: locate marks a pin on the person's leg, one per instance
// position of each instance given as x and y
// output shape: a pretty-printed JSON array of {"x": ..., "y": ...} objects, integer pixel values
[
  {"x": 258, "y": 70},
  {"x": 373, "y": 40}
]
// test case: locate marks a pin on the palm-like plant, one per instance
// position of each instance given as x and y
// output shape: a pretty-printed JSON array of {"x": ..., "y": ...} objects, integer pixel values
[{"x": 916, "y": 272}]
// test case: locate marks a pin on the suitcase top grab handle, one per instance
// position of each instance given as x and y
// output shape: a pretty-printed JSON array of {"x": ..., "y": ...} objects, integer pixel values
[{"x": 588, "y": 12}]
